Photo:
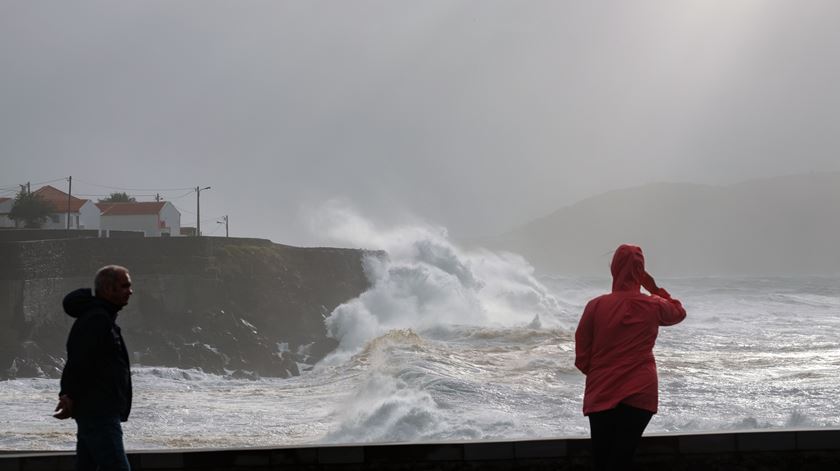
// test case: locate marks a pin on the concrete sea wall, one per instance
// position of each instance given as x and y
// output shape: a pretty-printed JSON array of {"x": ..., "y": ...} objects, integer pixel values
[{"x": 806, "y": 450}]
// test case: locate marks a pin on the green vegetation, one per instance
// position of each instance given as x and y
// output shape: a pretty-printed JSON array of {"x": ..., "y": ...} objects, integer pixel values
[
  {"x": 30, "y": 209},
  {"x": 118, "y": 197}
]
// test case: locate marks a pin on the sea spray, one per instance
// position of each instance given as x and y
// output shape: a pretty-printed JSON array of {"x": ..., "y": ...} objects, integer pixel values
[
  {"x": 412, "y": 389},
  {"x": 483, "y": 351},
  {"x": 425, "y": 280},
  {"x": 743, "y": 360}
]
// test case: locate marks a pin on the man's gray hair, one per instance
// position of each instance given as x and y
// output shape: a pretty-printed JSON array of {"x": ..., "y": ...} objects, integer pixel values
[{"x": 107, "y": 276}]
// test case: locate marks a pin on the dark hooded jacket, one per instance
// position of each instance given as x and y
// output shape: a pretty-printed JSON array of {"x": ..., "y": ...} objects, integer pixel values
[
  {"x": 616, "y": 334},
  {"x": 96, "y": 376}
]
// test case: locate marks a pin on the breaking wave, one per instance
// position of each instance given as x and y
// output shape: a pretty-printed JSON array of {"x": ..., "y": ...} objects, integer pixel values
[{"x": 425, "y": 281}]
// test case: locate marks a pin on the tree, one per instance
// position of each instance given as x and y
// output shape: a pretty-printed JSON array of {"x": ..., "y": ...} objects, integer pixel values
[
  {"x": 119, "y": 197},
  {"x": 30, "y": 209}
]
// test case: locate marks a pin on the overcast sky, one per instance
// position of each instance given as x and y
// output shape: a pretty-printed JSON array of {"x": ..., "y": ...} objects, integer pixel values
[{"x": 475, "y": 115}]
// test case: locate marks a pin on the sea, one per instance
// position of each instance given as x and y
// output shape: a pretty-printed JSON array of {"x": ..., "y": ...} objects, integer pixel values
[{"x": 452, "y": 344}]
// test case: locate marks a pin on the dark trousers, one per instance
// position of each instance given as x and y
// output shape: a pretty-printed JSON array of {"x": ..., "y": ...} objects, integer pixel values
[
  {"x": 615, "y": 436},
  {"x": 99, "y": 445}
]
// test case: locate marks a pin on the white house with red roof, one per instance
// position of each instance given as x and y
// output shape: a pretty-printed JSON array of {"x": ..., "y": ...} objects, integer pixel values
[
  {"x": 154, "y": 218},
  {"x": 83, "y": 213},
  {"x": 5, "y": 209}
]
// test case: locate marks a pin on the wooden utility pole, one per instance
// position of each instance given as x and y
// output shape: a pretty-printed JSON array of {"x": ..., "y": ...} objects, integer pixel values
[
  {"x": 198, "y": 191},
  {"x": 69, "y": 192}
]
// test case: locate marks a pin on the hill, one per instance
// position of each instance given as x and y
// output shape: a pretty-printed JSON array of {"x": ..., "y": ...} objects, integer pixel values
[{"x": 774, "y": 226}]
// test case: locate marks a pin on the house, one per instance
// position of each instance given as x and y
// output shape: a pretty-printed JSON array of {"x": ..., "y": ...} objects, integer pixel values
[
  {"x": 154, "y": 218},
  {"x": 5, "y": 208},
  {"x": 83, "y": 213}
]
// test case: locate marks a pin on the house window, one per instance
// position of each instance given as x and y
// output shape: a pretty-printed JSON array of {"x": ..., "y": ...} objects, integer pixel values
[{"x": 54, "y": 218}]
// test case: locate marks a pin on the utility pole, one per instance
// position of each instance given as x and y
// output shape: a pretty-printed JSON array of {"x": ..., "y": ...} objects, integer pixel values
[
  {"x": 225, "y": 222},
  {"x": 198, "y": 191},
  {"x": 69, "y": 192}
]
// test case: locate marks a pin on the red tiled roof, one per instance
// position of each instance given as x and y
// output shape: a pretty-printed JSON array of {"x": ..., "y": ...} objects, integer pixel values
[
  {"x": 128, "y": 209},
  {"x": 3, "y": 200},
  {"x": 58, "y": 199}
]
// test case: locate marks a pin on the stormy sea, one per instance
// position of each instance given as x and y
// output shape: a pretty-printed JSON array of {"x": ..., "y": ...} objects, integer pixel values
[{"x": 450, "y": 344}]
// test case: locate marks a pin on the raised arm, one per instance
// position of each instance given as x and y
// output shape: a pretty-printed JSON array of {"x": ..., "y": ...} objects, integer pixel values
[{"x": 671, "y": 311}]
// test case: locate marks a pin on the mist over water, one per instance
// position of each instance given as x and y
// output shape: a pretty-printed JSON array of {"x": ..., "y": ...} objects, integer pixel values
[{"x": 451, "y": 344}]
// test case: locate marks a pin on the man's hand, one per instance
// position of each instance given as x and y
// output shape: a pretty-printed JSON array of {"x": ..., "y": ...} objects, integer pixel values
[{"x": 64, "y": 409}]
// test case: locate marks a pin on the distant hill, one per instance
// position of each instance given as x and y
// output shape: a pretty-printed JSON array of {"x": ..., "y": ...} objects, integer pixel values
[{"x": 783, "y": 225}]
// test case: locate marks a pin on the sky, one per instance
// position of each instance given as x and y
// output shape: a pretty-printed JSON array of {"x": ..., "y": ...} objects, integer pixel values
[{"x": 476, "y": 116}]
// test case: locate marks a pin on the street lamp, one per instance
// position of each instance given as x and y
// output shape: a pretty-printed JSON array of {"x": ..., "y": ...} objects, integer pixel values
[{"x": 198, "y": 191}]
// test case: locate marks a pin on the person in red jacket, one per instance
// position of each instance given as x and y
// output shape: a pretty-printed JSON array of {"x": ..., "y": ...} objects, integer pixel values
[{"x": 614, "y": 349}]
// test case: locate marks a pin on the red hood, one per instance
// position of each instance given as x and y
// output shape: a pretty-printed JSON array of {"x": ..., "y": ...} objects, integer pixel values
[{"x": 628, "y": 268}]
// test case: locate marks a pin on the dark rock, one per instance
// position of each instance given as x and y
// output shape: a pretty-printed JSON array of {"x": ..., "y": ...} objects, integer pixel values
[
  {"x": 243, "y": 374},
  {"x": 33, "y": 362}
]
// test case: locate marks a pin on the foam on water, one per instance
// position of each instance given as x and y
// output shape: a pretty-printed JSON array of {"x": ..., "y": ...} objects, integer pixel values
[
  {"x": 421, "y": 389},
  {"x": 426, "y": 281},
  {"x": 457, "y": 345}
]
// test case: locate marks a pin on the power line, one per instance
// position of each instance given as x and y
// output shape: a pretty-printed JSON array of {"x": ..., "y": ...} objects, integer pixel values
[
  {"x": 51, "y": 181},
  {"x": 215, "y": 231},
  {"x": 185, "y": 194},
  {"x": 17, "y": 185},
  {"x": 139, "y": 195},
  {"x": 203, "y": 220},
  {"x": 93, "y": 195},
  {"x": 212, "y": 219},
  {"x": 185, "y": 211},
  {"x": 132, "y": 189}
]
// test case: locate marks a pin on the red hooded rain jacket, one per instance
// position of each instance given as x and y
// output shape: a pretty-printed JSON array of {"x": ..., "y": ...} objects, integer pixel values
[{"x": 616, "y": 334}]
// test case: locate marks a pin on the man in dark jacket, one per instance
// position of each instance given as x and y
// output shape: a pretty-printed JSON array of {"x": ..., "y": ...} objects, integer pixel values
[{"x": 96, "y": 381}]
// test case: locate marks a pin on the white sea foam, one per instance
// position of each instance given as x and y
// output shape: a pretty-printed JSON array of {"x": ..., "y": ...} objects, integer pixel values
[
  {"x": 427, "y": 281},
  {"x": 457, "y": 345},
  {"x": 386, "y": 409}
]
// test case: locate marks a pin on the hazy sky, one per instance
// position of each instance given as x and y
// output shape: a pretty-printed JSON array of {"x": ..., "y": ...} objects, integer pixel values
[{"x": 476, "y": 115}]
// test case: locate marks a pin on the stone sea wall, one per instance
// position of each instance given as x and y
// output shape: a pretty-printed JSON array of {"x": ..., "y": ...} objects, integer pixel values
[{"x": 227, "y": 305}]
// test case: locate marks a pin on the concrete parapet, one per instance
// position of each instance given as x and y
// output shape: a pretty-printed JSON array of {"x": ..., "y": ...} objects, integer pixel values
[{"x": 764, "y": 450}]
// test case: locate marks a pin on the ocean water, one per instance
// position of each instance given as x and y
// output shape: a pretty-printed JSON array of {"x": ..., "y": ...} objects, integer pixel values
[{"x": 457, "y": 345}]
